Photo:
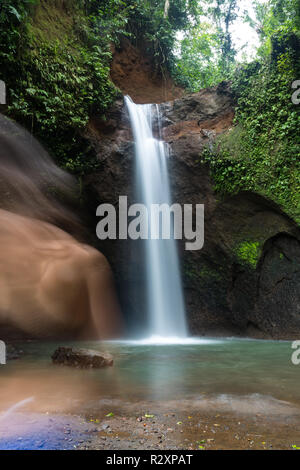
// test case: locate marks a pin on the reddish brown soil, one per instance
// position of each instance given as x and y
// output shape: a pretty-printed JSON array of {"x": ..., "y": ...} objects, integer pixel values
[{"x": 135, "y": 75}]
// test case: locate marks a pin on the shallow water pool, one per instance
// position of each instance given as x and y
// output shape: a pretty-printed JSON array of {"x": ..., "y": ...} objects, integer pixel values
[{"x": 215, "y": 372}]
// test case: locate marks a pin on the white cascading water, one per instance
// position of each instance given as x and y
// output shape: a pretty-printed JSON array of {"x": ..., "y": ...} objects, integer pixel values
[{"x": 164, "y": 290}]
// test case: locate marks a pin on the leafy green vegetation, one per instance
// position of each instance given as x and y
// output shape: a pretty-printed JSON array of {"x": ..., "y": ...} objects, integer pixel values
[
  {"x": 206, "y": 52},
  {"x": 57, "y": 74},
  {"x": 55, "y": 59},
  {"x": 262, "y": 151},
  {"x": 197, "y": 67},
  {"x": 154, "y": 24}
]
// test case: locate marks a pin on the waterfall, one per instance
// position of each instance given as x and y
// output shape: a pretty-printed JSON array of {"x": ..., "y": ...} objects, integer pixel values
[{"x": 165, "y": 304}]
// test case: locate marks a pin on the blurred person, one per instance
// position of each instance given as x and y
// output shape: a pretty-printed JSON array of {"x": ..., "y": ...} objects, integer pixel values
[{"x": 51, "y": 283}]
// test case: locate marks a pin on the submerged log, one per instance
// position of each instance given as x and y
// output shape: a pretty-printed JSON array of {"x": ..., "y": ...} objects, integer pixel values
[{"x": 81, "y": 358}]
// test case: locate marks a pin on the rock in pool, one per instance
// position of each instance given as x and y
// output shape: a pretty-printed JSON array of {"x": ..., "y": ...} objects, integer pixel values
[{"x": 81, "y": 358}]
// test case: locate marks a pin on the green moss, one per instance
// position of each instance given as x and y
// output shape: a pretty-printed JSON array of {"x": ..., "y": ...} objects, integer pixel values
[
  {"x": 51, "y": 22},
  {"x": 249, "y": 252},
  {"x": 261, "y": 153}
]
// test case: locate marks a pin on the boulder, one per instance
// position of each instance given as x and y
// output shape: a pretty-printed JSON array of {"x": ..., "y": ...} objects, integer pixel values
[{"x": 81, "y": 358}]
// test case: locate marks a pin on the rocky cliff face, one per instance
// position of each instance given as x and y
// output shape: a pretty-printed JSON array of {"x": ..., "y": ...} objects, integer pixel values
[{"x": 245, "y": 280}]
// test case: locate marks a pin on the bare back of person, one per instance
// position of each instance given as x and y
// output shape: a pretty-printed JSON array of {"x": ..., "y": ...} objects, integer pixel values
[{"x": 51, "y": 285}]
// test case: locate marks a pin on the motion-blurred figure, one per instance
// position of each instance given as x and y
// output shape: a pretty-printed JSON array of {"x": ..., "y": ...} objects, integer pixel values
[{"x": 51, "y": 284}]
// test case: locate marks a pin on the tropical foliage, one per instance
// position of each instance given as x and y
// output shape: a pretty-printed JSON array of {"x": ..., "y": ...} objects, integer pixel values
[
  {"x": 55, "y": 59},
  {"x": 262, "y": 151}
]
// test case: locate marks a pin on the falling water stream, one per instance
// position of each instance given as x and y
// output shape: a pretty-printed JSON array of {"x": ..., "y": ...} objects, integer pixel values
[{"x": 165, "y": 304}]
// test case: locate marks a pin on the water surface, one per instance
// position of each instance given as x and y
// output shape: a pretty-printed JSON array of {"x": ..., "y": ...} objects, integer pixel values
[{"x": 239, "y": 373}]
